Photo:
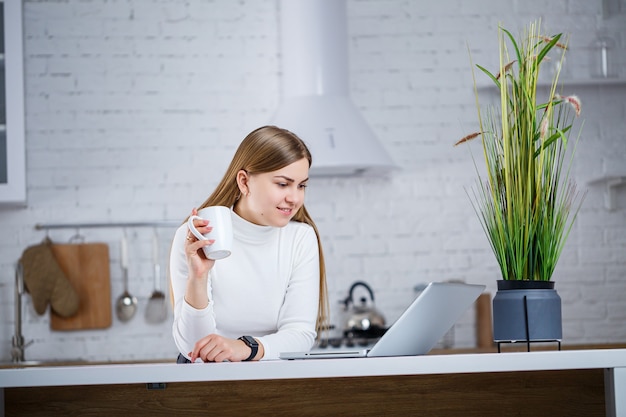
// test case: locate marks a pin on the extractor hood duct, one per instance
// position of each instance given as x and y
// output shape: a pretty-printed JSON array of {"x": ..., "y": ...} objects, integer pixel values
[{"x": 316, "y": 104}]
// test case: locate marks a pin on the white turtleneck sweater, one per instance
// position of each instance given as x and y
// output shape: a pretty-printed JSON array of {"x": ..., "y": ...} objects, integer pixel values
[{"x": 268, "y": 288}]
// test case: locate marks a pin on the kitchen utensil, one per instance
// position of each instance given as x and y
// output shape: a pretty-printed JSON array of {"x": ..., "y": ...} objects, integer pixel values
[
  {"x": 86, "y": 266},
  {"x": 156, "y": 311},
  {"x": 126, "y": 304},
  {"x": 364, "y": 320}
]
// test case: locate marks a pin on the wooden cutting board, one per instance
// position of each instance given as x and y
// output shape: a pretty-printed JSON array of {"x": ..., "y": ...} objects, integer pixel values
[{"x": 86, "y": 266}]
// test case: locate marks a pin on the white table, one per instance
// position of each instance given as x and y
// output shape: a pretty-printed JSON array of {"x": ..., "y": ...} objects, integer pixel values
[{"x": 613, "y": 361}]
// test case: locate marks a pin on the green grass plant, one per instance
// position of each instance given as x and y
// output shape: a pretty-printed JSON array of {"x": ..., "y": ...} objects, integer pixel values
[{"x": 527, "y": 202}]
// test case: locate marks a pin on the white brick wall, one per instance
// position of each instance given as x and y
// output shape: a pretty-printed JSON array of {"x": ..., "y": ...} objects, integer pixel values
[{"x": 134, "y": 108}]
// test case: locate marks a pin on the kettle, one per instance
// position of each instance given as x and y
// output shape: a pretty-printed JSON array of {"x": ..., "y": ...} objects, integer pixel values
[{"x": 363, "y": 320}]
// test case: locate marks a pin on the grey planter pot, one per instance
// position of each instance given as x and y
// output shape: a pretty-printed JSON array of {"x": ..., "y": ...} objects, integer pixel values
[{"x": 527, "y": 311}]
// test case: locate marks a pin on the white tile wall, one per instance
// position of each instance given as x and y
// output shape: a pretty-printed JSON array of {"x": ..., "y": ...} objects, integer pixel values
[{"x": 134, "y": 108}]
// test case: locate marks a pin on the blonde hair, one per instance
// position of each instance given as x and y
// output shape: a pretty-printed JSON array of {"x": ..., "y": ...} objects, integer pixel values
[{"x": 267, "y": 149}]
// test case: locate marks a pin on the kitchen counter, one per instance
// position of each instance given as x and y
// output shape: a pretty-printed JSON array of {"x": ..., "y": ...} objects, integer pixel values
[{"x": 160, "y": 376}]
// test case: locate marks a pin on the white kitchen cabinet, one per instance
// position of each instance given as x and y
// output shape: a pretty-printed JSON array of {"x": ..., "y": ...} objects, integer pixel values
[{"x": 12, "y": 149}]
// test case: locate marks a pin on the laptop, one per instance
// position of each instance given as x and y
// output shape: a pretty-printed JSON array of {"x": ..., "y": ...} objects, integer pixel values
[{"x": 418, "y": 329}]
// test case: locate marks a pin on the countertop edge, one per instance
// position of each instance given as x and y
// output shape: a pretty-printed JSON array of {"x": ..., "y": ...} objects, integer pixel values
[{"x": 313, "y": 368}]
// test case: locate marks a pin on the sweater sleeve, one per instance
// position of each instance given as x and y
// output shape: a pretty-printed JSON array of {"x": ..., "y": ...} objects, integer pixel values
[
  {"x": 298, "y": 314},
  {"x": 190, "y": 324}
]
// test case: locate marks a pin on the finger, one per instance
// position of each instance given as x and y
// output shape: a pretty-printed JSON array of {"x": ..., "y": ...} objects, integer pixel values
[
  {"x": 201, "y": 226},
  {"x": 203, "y": 229},
  {"x": 200, "y": 222},
  {"x": 190, "y": 238},
  {"x": 221, "y": 352},
  {"x": 209, "y": 352},
  {"x": 198, "y": 347},
  {"x": 196, "y": 223},
  {"x": 223, "y": 357},
  {"x": 199, "y": 244},
  {"x": 194, "y": 354}
]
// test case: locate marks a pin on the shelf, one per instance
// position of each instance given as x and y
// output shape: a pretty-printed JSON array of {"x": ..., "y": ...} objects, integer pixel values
[
  {"x": 588, "y": 82},
  {"x": 581, "y": 82},
  {"x": 159, "y": 223}
]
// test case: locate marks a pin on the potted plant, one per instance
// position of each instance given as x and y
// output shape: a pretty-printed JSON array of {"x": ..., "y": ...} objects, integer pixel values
[{"x": 526, "y": 201}]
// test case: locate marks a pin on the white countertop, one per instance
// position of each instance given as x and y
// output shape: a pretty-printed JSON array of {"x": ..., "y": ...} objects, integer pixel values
[{"x": 314, "y": 368}]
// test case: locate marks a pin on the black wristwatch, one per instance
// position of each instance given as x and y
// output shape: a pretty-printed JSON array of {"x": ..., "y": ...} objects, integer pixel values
[{"x": 252, "y": 344}]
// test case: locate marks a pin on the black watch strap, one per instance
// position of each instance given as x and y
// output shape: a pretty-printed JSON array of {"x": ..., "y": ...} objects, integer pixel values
[{"x": 252, "y": 344}]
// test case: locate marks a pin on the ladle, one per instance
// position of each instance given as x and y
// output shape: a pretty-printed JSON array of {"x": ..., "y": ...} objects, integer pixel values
[
  {"x": 126, "y": 305},
  {"x": 156, "y": 311}
]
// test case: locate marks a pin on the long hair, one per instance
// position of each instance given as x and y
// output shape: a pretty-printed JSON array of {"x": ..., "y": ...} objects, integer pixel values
[{"x": 267, "y": 149}]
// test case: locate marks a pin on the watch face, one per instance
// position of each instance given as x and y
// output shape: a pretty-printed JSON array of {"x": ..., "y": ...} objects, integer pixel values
[{"x": 249, "y": 340}]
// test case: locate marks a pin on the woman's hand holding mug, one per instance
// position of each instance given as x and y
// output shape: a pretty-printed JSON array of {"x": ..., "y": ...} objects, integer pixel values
[{"x": 216, "y": 225}]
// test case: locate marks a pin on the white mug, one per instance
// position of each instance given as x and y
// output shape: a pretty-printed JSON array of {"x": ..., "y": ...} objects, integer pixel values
[{"x": 220, "y": 220}]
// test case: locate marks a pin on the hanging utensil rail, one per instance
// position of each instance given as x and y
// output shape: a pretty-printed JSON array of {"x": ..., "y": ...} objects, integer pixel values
[{"x": 163, "y": 223}]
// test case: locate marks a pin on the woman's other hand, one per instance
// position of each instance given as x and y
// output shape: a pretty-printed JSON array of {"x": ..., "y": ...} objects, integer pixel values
[{"x": 216, "y": 348}]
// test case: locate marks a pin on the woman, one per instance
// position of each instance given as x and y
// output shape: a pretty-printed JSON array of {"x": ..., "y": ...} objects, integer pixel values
[{"x": 269, "y": 296}]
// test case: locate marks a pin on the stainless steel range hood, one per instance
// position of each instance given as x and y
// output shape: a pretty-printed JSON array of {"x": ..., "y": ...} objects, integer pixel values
[{"x": 316, "y": 104}]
